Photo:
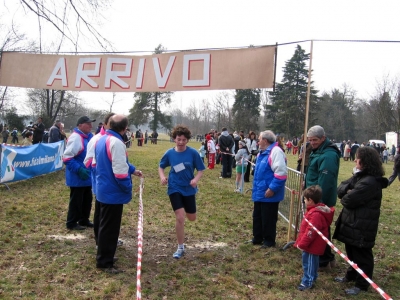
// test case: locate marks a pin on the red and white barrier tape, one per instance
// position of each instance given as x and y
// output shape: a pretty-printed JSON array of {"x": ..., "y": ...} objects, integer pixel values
[
  {"x": 140, "y": 241},
  {"x": 373, "y": 284}
]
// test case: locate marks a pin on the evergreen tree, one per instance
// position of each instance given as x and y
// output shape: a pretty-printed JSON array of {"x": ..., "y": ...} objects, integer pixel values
[
  {"x": 147, "y": 106},
  {"x": 246, "y": 109},
  {"x": 337, "y": 114},
  {"x": 286, "y": 113}
]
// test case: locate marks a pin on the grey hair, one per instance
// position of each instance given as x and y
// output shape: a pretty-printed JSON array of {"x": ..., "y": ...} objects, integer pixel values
[
  {"x": 317, "y": 131},
  {"x": 269, "y": 136}
]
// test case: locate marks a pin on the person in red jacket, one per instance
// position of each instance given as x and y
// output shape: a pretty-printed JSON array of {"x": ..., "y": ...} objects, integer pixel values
[{"x": 309, "y": 241}]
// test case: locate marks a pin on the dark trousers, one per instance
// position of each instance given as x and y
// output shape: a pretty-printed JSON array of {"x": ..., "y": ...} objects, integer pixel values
[
  {"x": 80, "y": 205},
  {"x": 265, "y": 216},
  {"x": 364, "y": 258},
  {"x": 328, "y": 256},
  {"x": 96, "y": 220},
  {"x": 110, "y": 216},
  {"x": 246, "y": 176},
  {"x": 226, "y": 165}
]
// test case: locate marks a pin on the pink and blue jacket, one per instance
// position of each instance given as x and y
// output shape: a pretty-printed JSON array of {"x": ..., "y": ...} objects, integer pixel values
[
  {"x": 270, "y": 173},
  {"x": 74, "y": 154},
  {"x": 113, "y": 171}
]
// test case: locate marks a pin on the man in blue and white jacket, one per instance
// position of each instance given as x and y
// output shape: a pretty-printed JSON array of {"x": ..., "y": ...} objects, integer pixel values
[
  {"x": 113, "y": 189},
  {"x": 78, "y": 176},
  {"x": 90, "y": 163},
  {"x": 268, "y": 189}
]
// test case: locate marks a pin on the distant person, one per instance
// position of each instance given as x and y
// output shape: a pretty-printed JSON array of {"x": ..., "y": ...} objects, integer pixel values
[
  {"x": 241, "y": 158},
  {"x": 211, "y": 150},
  {"x": 55, "y": 132},
  {"x": 226, "y": 143},
  {"x": 202, "y": 151},
  {"x": 5, "y": 134},
  {"x": 78, "y": 176},
  {"x": 27, "y": 141},
  {"x": 182, "y": 183},
  {"x": 99, "y": 127},
  {"x": 251, "y": 142},
  {"x": 38, "y": 131},
  {"x": 14, "y": 135},
  {"x": 146, "y": 137},
  {"x": 155, "y": 136},
  {"x": 308, "y": 240},
  {"x": 353, "y": 150},
  {"x": 357, "y": 225}
]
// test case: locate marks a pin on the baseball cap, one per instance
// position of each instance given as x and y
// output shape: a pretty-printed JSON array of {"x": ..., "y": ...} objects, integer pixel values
[{"x": 84, "y": 119}]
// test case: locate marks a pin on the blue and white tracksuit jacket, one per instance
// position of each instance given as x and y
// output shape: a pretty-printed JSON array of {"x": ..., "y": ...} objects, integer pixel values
[
  {"x": 113, "y": 171},
  {"x": 73, "y": 158},
  {"x": 270, "y": 173}
]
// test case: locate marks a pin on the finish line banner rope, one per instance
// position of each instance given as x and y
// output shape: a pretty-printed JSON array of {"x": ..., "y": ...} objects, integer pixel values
[
  {"x": 140, "y": 242},
  {"x": 373, "y": 284}
]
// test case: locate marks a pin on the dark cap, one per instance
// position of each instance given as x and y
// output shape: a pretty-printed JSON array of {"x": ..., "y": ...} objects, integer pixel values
[
  {"x": 100, "y": 124},
  {"x": 84, "y": 119}
]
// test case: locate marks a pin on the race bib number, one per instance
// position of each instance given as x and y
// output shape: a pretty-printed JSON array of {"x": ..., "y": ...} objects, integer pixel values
[{"x": 179, "y": 167}]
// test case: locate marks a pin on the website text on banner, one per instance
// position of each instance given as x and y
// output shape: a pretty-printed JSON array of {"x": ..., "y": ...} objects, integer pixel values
[
  {"x": 20, "y": 163},
  {"x": 174, "y": 71}
]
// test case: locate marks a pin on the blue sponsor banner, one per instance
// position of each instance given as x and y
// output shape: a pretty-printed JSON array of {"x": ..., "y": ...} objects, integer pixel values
[{"x": 20, "y": 163}]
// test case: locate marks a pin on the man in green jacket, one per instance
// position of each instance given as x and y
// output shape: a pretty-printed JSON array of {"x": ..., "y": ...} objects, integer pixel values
[{"x": 323, "y": 169}]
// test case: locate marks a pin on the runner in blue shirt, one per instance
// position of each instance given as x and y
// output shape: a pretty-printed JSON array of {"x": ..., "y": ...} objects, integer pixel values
[{"x": 182, "y": 183}]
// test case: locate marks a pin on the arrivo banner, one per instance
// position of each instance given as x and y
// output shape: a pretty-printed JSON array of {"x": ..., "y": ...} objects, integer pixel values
[{"x": 174, "y": 71}]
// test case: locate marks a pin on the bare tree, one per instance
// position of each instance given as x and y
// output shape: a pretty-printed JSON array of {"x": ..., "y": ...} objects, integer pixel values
[
  {"x": 73, "y": 20},
  {"x": 222, "y": 111}
]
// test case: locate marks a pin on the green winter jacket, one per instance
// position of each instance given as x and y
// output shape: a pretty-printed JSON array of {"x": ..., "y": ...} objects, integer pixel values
[{"x": 323, "y": 169}]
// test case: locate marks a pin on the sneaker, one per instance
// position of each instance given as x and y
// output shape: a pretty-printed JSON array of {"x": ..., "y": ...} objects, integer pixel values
[
  {"x": 353, "y": 291},
  {"x": 179, "y": 253},
  {"x": 302, "y": 287},
  {"x": 341, "y": 279},
  {"x": 237, "y": 191}
]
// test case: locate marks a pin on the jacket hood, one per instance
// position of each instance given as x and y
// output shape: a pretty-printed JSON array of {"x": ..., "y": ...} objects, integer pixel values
[
  {"x": 327, "y": 145},
  {"x": 225, "y": 133},
  {"x": 383, "y": 181},
  {"x": 325, "y": 211}
]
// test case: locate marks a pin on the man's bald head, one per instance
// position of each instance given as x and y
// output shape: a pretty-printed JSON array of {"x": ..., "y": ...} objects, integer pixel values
[{"x": 119, "y": 123}]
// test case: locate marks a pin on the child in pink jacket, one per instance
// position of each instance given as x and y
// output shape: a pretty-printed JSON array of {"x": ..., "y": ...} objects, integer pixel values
[{"x": 309, "y": 241}]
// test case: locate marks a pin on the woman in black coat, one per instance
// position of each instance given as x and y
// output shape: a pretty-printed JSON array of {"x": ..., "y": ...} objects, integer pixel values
[{"x": 357, "y": 224}]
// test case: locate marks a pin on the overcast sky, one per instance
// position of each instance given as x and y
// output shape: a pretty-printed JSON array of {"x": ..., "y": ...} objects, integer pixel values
[{"x": 179, "y": 25}]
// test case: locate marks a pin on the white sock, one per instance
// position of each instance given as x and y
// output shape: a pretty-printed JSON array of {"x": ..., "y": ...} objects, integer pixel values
[{"x": 181, "y": 246}]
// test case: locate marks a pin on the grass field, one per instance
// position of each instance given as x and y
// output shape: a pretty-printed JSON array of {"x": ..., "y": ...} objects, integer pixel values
[{"x": 40, "y": 259}]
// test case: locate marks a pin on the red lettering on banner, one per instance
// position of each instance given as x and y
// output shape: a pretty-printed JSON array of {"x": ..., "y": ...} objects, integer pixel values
[
  {"x": 140, "y": 73},
  {"x": 59, "y": 73},
  {"x": 162, "y": 79},
  {"x": 85, "y": 74},
  {"x": 117, "y": 69},
  {"x": 115, "y": 76},
  {"x": 205, "y": 81}
]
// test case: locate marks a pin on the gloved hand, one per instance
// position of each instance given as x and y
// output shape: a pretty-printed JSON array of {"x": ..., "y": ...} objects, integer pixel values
[{"x": 83, "y": 173}]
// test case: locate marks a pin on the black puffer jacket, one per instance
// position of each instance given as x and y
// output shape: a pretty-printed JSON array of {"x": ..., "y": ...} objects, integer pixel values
[{"x": 357, "y": 224}]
